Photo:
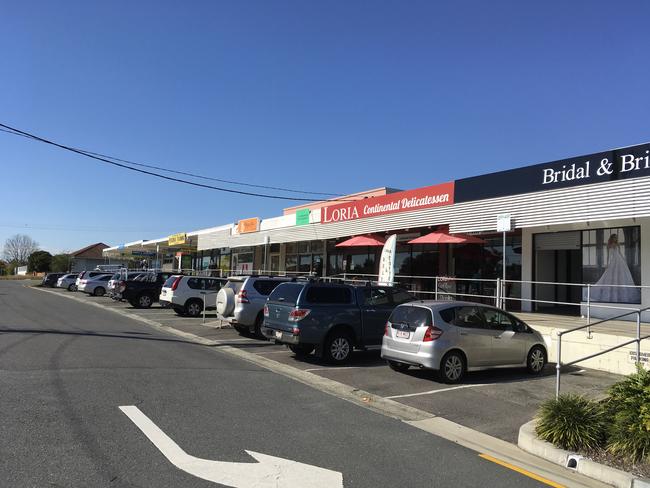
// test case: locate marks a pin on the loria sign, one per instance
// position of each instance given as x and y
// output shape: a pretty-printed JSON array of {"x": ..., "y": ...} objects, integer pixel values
[{"x": 403, "y": 201}]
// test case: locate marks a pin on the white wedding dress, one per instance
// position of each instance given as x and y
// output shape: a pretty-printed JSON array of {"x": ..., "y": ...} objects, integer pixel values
[{"x": 616, "y": 273}]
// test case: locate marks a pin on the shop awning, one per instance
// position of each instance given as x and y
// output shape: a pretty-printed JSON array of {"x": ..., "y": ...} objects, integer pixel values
[
  {"x": 362, "y": 241},
  {"x": 442, "y": 237}
]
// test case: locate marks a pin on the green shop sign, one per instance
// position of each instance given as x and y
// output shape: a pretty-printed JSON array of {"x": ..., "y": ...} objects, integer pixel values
[{"x": 302, "y": 216}]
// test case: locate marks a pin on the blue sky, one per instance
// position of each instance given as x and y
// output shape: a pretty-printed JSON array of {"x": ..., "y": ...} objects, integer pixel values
[{"x": 333, "y": 96}]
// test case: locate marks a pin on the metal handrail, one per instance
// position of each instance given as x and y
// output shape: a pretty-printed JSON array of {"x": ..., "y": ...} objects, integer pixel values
[{"x": 638, "y": 339}]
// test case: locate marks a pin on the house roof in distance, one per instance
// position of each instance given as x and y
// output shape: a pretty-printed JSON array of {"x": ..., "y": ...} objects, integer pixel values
[{"x": 91, "y": 251}]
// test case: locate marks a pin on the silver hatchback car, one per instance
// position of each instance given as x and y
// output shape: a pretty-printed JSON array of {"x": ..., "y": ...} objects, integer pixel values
[{"x": 454, "y": 337}]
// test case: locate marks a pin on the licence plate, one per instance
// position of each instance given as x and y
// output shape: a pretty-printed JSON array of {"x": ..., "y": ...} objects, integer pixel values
[
  {"x": 278, "y": 334},
  {"x": 402, "y": 334}
]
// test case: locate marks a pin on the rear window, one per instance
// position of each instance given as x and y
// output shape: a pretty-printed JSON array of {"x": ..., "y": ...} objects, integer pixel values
[
  {"x": 213, "y": 284},
  {"x": 265, "y": 287},
  {"x": 105, "y": 278},
  {"x": 414, "y": 317},
  {"x": 286, "y": 293},
  {"x": 468, "y": 317},
  {"x": 169, "y": 282},
  {"x": 195, "y": 283},
  {"x": 328, "y": 294}
]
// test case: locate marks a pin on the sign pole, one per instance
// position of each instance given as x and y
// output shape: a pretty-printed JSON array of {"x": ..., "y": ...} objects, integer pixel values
[
  {"x": 504, "y": 225},
  {"x": 503, "y": 278}
]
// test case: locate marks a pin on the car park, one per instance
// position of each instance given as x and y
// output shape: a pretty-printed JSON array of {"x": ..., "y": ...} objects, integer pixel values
[
  {"x": 68, "y": 281},
  {"x": 143, "y": 291},
  {"x": 330, "y": 318},
  {"x": 95, "y": 285},
  {"x": 50, "y": 279},
  {"x": 186, "y": 295},
  {"x": 453, "y": 337},
  {"x": 240, "y": 302}
]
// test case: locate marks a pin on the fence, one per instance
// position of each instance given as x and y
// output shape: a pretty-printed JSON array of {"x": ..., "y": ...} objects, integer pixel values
[{"x": 559, "y": 364}]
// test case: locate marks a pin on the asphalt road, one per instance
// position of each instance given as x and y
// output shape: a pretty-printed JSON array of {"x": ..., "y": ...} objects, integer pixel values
[{"x": 66, "y": 367}]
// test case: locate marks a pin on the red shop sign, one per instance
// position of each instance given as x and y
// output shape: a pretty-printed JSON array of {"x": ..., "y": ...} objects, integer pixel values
[{"x": 403, "y": 201}]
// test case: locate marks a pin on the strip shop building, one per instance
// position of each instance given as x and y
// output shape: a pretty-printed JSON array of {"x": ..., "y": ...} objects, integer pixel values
[{"x": 574, "y": 222}]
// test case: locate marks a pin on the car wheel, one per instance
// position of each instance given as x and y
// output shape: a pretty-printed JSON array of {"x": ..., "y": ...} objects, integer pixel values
[
  {"x": 536, "y": 360},
  {"x": 194, "y": 308},
  {"x": 397, "y": 366},
  {"x": 301, "y": 350},
  {"x": 70, "y": 287},
  {"x": 100, "y": 291},
  {"x": 338, "y": 347},
  {"x": 259, "y": 320},
  {"x": 143, "y": 301},
  {"x": 452, "y": 367}
]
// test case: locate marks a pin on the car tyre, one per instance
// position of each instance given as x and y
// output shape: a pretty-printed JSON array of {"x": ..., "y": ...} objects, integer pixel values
[
  {"x": 452, "y": 368},
  {"x": 536, "y": 360},
  {"x": 143, "y": 301},
  {"x": 100, "y": 291},
  {"x": 194, "y": 307},
  {"x": 301, "y": 350},
  {"x": 397, "y": 366},
  {"x": 259, "y": 321},
  {"x": 71, "y": 287},
  {"x": 338, "y": 347}
]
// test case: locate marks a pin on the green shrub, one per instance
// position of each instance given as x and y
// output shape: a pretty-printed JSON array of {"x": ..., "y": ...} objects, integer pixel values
[
  {"x": 571, "y": 422},
  {"x": 628, "y": 408}
]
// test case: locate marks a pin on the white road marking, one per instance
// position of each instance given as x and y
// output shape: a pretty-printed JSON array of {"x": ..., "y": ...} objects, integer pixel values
[
  {"x": 331, "y": 369},
  {"x": 267, "y": 472},
  {"x": 431, "y": 392}
]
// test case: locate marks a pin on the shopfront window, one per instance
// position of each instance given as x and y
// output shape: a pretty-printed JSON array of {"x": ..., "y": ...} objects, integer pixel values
[
  {"x": 611, "y": 262},
  {"x": 305, "y": 257}
]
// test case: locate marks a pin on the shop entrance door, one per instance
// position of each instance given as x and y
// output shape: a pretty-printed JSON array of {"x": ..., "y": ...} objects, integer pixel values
[{"x": 558, "y": 261}]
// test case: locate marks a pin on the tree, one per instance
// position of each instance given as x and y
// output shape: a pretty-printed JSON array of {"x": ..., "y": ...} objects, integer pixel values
[
  {"x": 18, "y": 248},
  {"x": 60, "y": 263},
  {"x": 39, "y": 261}
]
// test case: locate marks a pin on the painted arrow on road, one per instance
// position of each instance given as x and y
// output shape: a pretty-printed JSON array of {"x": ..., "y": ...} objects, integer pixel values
[{"x": 269, "y": 471}]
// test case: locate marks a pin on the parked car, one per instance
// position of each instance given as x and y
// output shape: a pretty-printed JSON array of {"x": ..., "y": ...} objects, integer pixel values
[
  {"x": 143, "y": 291},
  {"x": 95, "y": 285},
  {"x": 50, "y": 279},
  {"x": 68, "y": 281},
  {"x": 87, "y": 275},
  {"x": 186, "y": 294},
  {"x": 241, "y": 300},
  {"x": 113, "y": 283},
  {"x": 332, "y": 319},
  {"x": 454, "y": 337}
]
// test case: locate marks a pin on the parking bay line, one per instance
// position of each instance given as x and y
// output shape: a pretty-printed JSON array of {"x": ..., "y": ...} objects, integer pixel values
[
  {"x": 521, "y": 471},
  {"x": 431, "y": 392}
]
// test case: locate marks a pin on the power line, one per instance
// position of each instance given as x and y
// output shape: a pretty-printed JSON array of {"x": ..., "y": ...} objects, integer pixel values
[{"x": 118, "y": 162}]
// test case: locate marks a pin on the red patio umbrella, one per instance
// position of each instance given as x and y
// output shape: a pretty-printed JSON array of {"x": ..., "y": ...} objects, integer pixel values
[
  {"x": 442, "y": 237},
  {"x": 362, "y": 241}
]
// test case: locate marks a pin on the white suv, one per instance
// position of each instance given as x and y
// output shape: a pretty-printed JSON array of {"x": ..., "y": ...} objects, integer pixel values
[{"x": 185, "y": 294}]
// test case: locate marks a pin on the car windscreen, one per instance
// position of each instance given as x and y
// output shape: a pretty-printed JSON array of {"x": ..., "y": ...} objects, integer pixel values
[
  {"x": 286, "y": 293},
  {"x": 414, "y": 317}
]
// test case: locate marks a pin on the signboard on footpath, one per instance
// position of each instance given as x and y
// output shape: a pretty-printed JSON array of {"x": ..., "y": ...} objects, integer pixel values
[
  {"x": 246, "y": 226},
  {"x": 403, "y": 201}
]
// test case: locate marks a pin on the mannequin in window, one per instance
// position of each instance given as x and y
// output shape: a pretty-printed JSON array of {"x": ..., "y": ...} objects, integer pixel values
[{"x": 616, "y": 273}]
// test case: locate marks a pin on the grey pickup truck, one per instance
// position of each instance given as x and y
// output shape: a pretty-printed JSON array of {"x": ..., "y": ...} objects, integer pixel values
[{"x": 330, "y": 318}]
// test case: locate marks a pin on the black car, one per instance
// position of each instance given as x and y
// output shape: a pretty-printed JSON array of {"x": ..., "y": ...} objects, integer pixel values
[
  {"x": 144, "y": 290},
  {"x": 331, "y": 319},
  {"x": 50, "y": 279}
]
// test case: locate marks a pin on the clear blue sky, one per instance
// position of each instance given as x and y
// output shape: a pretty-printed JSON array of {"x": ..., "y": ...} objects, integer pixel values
[{"x": 334, "y": 96}]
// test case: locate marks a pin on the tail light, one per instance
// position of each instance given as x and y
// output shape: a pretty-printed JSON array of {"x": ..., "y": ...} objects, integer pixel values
[
  {"x": 431, "y": 334},
  {"x": 297, "y": 314},
  {"x": 242, "y": 297},
  {"x": 295, "y": 331},
  {"x": 122, "y": 286},
  {"x": 176, "y": 282},
  {"x": 83, "y": 282},
  {"x": 386, "y": 327},
  {"x": 266, "y": 310}
]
